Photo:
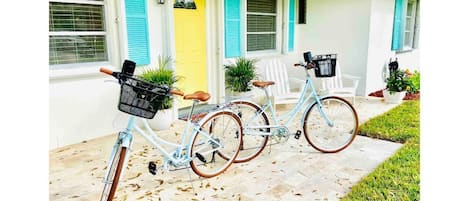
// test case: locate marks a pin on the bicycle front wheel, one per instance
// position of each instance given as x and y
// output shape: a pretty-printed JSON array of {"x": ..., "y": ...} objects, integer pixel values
[
  {"x": 334, "y": 135},
  {"x": 112, "y": 178},
  {"x": 217, "y": 144},
  {"x": 253, "y": 142}
]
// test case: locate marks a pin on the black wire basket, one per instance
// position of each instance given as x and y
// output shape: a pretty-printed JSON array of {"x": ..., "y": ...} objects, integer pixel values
[
  {"x": 140, "y": 98},
  {"x": 324, "y": 65}
]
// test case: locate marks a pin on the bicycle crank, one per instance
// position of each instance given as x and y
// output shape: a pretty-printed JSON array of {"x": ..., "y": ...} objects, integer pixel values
[{"x": 297, "y": 134}]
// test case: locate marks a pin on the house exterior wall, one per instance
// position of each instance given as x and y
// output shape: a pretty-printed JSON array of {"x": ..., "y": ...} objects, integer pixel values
[
  {"x": 379, "y": 48},
  {"x": 339, "y": 26},
  {"x": 83, "y": 106},
  {"x": 360, "y": 32}
]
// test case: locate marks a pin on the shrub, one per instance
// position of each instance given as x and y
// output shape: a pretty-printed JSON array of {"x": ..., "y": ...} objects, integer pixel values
[
  {"x": 414, "y": 81},
  {"x": 162, "y": 76},
  {"x": 239, "y": 74}
]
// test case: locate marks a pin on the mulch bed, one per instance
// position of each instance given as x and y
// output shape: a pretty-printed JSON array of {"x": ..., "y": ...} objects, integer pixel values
[{"x": 408, "y": 96}]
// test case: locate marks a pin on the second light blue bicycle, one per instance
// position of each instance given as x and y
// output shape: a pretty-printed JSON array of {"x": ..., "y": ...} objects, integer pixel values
[{"x": 329, "y": 123}]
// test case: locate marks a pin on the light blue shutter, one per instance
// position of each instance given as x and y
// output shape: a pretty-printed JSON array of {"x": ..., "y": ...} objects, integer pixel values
[
  {"x": 399, "y": 22},
  {"x": 232, "y": 28},
  {"x": 137, "y": 31},
  {"x": 291, "y": 25}
]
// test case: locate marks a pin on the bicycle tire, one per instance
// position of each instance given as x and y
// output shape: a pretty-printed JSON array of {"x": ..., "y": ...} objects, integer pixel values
[
  {"x": 114, "y": 175},
  {"x": 252, "y": 145},
  {"x": 344, "y": 118},
  {"x": 224, "y": 126}
]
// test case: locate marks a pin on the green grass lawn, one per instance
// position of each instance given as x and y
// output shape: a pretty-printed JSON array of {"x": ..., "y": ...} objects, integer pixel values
[{"x": 398, "y": 177}]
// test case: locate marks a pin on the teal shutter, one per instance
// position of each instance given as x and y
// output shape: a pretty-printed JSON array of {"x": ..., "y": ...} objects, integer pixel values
[
  {"x": 137, "y": 31},
  {"x": 399, "y": 22},
  {"x": 291, "y": 25},
  {"x": 232, "y": 28}
]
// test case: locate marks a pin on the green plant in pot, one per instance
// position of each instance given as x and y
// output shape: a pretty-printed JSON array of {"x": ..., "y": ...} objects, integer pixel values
[
  {"x": 163, "y": 76},
  {"x": 397, "y": 81},
  {"x": 397, "y": 84},
  {"x": 239, "y": 75}
]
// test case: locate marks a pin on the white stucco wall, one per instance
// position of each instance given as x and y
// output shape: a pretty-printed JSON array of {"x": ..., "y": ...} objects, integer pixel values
[
  {"x": 360, "y": 32},
  {"x": 409, "y": 60},
  {"x": 339, "y": 26},
  {"x": 84, "y": 107},
  {"x": 379, "y": 49}
]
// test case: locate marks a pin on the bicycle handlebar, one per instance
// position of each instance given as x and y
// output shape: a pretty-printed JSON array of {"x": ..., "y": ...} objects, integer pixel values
[
  {"x": 305, "y": 65},
  {"x": 176, "y": 92},
  {"x": 117, "y": 75},
  {"x": 106, "y": 71}
]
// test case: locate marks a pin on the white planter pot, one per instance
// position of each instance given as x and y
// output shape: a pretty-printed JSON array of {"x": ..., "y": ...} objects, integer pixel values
[
  {"x": 396, "y": 97},
  {"x": 162, "y": 120}
]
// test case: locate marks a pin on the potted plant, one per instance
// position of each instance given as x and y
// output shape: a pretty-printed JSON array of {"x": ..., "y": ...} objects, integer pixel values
[
  {"x": 397, "y": 84},
  {"x": 239, "y": 75},
  {"x": 163, "y": 76}
]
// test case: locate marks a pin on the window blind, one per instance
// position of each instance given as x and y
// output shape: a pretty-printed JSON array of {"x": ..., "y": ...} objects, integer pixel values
[
  {"x": 261, "y": 24},
  {"x": 76, "y": 33}
]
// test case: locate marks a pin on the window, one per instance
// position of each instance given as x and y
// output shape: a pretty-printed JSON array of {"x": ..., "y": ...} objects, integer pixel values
[
  {"x": 406, "y": 25},
  {"x": 410, "y": 24},
  {"x": 261, "y": 25},
  {"x": 254, "y": 26},
  {"x": 77, "y": 32}
]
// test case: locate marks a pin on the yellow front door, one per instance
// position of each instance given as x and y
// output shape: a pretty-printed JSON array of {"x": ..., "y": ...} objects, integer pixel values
[{"x": 191, "y": 50}]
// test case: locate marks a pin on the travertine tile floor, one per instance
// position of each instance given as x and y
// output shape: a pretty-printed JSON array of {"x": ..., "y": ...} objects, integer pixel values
[{"x": 288, "y": 171}]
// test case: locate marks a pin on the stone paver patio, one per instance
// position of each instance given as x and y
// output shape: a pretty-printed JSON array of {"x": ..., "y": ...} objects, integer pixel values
[{"x": 286, "y": 171}]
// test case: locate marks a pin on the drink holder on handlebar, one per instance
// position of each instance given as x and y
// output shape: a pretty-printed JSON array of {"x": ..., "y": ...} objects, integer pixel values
[{"x": 140, "y": 98}]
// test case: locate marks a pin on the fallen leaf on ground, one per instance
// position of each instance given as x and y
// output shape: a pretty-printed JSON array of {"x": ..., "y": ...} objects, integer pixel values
[{"x": 138, "y": 174}]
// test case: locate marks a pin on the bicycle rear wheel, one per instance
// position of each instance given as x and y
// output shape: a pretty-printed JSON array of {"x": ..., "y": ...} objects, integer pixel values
[
  {"x": 217, "y": 144},
  {"x": 112, "y": 178},
  {"x": 331, "y": 138},
  {"x": 252, "y": 144}
]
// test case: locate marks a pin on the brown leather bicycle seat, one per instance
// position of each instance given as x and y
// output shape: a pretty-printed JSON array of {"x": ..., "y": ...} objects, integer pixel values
[
  {"x": 262, "y": 84},
  {"x": 198, "y": 95}
]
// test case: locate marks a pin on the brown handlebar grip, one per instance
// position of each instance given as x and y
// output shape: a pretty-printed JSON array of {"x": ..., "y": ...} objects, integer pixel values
[
  {"x": 176, "y": 92},
  {"x": 296, "y": 65},
  {"x": 105, "y": 70}
]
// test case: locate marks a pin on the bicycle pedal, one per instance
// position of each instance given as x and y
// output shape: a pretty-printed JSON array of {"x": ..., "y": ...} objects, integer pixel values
[
  {"x": 297, "y": 134},
  {"x": 200, "y": 157},
  {"x": 152, "y": 167}
]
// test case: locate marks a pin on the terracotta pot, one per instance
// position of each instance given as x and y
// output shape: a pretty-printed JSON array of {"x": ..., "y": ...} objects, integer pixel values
[{"x": 396, "y": 97}]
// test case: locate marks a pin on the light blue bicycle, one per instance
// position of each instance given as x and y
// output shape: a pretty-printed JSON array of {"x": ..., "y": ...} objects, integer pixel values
[
  {"x": 329, "y": 123},
  {"x": 208, "y": 146}
]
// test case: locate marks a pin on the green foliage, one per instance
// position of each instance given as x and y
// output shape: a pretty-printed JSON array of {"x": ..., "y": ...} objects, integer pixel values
[
  {"x": 397, "y": 81},
  {"x": 397, "y": 178},
  {"x": 162, "y": 76},
  {"x": 239, "y": 74},
  {"x": 414, "y": 82},
  {"x": 398, "y": 125}
]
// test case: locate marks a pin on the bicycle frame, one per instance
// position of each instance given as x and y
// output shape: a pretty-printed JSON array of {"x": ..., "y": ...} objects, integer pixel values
[
  {"x": 176, "y": 157},
  {"x": 289, "y": 116}
]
